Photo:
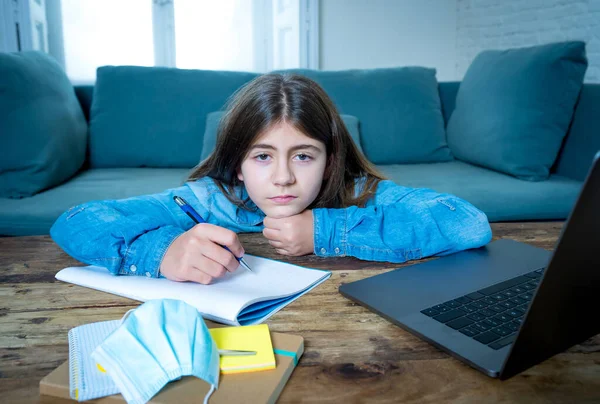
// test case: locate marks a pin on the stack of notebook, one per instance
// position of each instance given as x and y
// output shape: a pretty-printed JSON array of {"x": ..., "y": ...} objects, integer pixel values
[
  {"x": 259, "y": 382},
  {"x": 240, "y": 298}
]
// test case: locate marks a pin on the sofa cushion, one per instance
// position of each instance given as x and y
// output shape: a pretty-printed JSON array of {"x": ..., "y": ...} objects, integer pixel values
[
  {"x": 513, "y": 108},
  {"x": 155, "y": 117},
  {"x": 214, "y": 118},
  {"x": 399, "y": 111},
  {"x": 500, "y": 196},
  {"x": 35, "y": 215},
  {"x": 43, "y": 133}
]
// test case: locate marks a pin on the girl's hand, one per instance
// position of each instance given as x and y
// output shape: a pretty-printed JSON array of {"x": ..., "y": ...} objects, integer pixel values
[
  {"x": 197, "y": 256},
  {"x": 291, "y": 235}
]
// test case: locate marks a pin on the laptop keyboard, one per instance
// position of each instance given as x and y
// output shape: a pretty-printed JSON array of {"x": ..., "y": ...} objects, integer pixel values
[{"x": 493, "y": 315}]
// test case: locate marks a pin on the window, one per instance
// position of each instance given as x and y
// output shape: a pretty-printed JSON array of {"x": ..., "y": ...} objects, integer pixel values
[
  {"x": 215, "y": 35},
  {"x": 241, "y": 35},
  {"x": 40, "y": 41},
  {"x": 105, "y": 32}
]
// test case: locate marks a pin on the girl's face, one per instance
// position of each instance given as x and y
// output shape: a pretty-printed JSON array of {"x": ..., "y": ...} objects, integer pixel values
[{"x": 283, "y": 170}]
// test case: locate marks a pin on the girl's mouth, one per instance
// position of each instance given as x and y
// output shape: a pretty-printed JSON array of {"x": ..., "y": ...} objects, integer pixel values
[{"x": 283, "y": 199}]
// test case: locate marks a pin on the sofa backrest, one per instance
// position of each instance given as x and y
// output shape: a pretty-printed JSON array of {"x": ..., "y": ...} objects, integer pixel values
[
  {"x": 583, "y": 139},
  {"x": 578, "y": 149}
]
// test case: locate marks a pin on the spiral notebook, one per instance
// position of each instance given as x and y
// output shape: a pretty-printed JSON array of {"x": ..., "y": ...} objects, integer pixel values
[
  {"x": 239, "y": 298},
  {"x": 86, "y": 382}
]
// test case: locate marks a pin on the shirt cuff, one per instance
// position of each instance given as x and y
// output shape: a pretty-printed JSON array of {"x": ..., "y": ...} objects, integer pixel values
[
  {"x": 145, "y": 255},
  {"x": 329, "y": 232}
]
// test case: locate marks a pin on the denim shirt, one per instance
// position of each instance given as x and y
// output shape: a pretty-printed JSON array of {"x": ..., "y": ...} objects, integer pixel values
[{"x": 130, "y": 236}]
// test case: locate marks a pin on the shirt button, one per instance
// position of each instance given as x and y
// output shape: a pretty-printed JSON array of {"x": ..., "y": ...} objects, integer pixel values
[
  {"x": 323, "y": 251},
  {"x": 337, "y": 250},
  {"x": 148, "y": 274},
  {"x": 133, "y": 268}
]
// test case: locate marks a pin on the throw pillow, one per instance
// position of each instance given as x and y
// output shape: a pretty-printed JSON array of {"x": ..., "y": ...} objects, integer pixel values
[
  {"x": 213, "y": 120},
  {"x": 513, "y": 108},
  {"x": 44, "y": 131}
]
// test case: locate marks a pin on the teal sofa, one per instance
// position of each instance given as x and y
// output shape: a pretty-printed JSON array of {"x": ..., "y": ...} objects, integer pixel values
[{"x": 502, "y": 197}]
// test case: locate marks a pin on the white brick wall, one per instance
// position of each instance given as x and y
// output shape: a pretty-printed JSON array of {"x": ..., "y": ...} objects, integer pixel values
[{"x": 503, "y": 24}]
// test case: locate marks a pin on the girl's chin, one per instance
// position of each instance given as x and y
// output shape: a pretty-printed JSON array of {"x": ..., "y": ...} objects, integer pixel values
[{"x": 280, "y": 212}]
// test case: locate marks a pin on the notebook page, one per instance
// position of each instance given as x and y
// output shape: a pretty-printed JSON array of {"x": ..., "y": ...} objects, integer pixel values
[{"x": 220, "y": 301}]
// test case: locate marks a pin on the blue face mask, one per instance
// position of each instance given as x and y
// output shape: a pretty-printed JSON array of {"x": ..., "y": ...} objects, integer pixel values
[{"x": 159, "y": 341}]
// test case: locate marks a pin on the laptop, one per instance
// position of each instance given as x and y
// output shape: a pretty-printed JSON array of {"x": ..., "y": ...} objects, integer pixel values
[{"x": 504, "y": 307}]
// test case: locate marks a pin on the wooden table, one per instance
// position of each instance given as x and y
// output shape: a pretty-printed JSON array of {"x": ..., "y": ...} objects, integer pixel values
[{"x": 351, "y": 354}]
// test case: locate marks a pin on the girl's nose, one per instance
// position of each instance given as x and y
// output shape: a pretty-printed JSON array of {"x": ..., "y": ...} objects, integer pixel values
[{"x": 283, "y": 174}]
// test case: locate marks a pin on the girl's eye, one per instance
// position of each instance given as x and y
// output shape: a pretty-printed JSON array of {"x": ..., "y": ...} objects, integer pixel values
[
  {"x": 303, "y": 157},
  {"x": 262, "y": 157}
]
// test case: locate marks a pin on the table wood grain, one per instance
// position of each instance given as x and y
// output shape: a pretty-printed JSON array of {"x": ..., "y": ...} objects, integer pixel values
[{"x": 351, "y": 354}]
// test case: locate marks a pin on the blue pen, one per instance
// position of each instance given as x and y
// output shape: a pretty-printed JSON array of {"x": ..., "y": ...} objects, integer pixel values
[{"x": 198, "y": 219}]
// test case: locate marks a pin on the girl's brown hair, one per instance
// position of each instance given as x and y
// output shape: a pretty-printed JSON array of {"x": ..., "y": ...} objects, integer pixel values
[{"x": 296, "y": 100}]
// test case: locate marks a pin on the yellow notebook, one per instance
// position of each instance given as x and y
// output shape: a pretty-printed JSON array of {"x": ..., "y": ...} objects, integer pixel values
[{"x": 246, "y": 338}]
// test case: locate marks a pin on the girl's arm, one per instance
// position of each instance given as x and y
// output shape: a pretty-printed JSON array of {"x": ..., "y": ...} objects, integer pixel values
[
  {"x": 401, "y": 224},
  {"x": 128, "y": 236}
]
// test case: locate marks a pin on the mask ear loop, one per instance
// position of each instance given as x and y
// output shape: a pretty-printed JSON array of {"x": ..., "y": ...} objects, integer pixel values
[
  {"x": 126, "y": 315},
  {"x": 207, "y": 396}
]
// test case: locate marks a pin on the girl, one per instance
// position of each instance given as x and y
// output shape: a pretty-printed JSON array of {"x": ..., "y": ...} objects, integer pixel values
[{"x": 284, "y": 164}]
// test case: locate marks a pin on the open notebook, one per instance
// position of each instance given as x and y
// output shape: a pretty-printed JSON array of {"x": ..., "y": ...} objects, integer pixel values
[{"x": 239, "y": 298}]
